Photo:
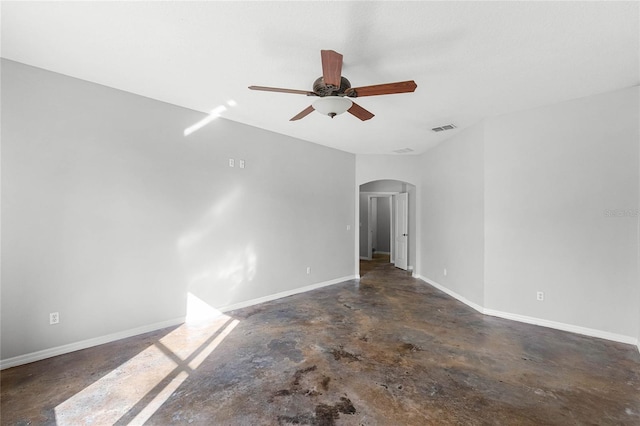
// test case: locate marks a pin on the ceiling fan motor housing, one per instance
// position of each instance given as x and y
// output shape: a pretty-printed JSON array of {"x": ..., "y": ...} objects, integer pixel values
[{"x": 321, "y": 89}]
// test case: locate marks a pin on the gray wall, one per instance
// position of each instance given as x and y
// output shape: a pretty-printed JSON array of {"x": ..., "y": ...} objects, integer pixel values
[
  {"x": 385, "y": 185},
  {"x": 384, "y": 225},
  {"x": 110, "y": 215},
  {"x": 452, "y": 220},
  {"x": 413, "y": 229},
  {"x": 364, "y": 226},
  {"x": 552, "y": 192},
  {"x": 551, "y": 176}
]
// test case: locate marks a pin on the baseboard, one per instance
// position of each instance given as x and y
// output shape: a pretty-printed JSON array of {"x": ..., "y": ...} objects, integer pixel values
[
  {"x": 285, "y": 293},
  {"x": 451, "y": 293},
  {"x": 536, "y": 321},
  {"x": 84, "y": 344},
  {"x": 365, "y": 258},
  {"x": 383, "y": 252},
  {"x": 591, "y": 332}
]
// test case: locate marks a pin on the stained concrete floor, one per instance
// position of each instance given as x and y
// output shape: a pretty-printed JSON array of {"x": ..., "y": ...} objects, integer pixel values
[{"x": 387, "y": 350}]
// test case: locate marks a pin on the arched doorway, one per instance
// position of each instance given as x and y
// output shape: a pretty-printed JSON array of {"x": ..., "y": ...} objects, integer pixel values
[{"x": 387, "y": 224}]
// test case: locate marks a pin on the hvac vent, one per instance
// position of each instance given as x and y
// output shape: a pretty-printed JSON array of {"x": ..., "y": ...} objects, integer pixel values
[
  {"x": 403, "y": 150},
  {"x": 443, "y": 128}
]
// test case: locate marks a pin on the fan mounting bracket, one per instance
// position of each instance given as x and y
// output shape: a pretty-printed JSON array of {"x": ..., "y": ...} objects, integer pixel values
[{"x": 322, "y": 89}]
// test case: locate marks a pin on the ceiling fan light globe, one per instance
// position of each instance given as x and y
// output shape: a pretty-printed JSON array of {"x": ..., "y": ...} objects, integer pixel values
[{"x": 332, "y": 105}]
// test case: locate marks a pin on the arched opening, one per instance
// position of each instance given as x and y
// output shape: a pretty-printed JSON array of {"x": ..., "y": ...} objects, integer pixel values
[{"x": 387, "y": 224}]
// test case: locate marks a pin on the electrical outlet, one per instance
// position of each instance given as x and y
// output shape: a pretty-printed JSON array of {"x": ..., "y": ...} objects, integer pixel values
[
  {"x": 232, "y": 162},
  {"x": 540, "y": 296},
  {"x": 308, "y": 269},
  {"x": 54, "y": 318},
  {"x": 445, "y": 272},
  {"x": 242, "y": 164}
]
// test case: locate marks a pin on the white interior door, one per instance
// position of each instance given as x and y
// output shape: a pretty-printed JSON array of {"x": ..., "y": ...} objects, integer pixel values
[{"x": 401, "y": 234}]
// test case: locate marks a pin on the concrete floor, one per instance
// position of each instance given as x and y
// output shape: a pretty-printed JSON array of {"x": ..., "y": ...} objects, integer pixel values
[{"x": 388, "y": 350}]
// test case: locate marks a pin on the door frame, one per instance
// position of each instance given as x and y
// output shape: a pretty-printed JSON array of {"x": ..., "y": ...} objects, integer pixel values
[
  {"x": 414, "y": 218},
  {"x": 392, "y": 218}
]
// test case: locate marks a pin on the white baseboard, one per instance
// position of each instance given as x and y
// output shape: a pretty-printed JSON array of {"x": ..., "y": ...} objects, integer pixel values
[
  {"x": 452, "y": 293},
  {"x": 365, "y": 258},
  {"x": 84, "y": 344},
  {"x": 591, "y": 332},
  {"x": 536, "y": 321},
  {"x": 383, "y": 252},
  {"x": 285, "y": 293}
]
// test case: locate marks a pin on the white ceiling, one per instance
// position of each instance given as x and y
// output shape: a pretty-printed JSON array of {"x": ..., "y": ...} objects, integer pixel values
[{"x": 470, "y": 60}]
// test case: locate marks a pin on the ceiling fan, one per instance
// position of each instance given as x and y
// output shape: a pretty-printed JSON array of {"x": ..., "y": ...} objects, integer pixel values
[{"x": 334, "y": 90}]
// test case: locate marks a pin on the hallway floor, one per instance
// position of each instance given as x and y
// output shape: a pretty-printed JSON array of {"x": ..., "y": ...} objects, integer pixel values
[
  {"x": 385, "y": 350},
  {"x": 377, "y": 260}
]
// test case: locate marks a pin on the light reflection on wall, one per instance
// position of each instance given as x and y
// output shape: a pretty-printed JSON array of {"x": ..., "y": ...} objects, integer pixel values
[
  {"x": 218, "y": 259},
  {"x": 213, "y": 114}
]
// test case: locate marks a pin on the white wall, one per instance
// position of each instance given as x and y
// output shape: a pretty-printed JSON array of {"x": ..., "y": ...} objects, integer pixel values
[
  {"x": 110, "y": 215},
  {"x": 404, "y": 168},
  {"x": 452, "y": 220},
  {"x": 551, "y": 176},
  {"x": 387, "y": 186},
  {"x": 553, "y": 193}
]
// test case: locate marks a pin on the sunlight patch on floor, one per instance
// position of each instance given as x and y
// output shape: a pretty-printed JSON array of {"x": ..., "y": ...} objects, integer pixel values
[
  {"x": 135, "y": 390},
  {"x": 118, "y": 391},
  {"x": 160, "y": 399}
]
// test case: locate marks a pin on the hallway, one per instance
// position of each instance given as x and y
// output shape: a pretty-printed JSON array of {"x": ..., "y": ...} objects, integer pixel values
[
  {"x": 388, "y": 349},
  {"x": 378, "y": 260}
]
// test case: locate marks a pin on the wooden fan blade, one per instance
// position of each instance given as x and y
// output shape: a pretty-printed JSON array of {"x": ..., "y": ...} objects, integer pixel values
[
  {"x": 357, "y": 111},
  {"x": 383, "y": 89},
  {"x": 331, "y": 67},
  {"x": 303, "y": 113},
  {"x": 277, "y": 89}
]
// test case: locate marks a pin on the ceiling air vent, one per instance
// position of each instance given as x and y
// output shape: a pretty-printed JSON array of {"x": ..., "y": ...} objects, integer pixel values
[
  {"x": 443, "y": 128},
  {"x": 403, "y": 150}
]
